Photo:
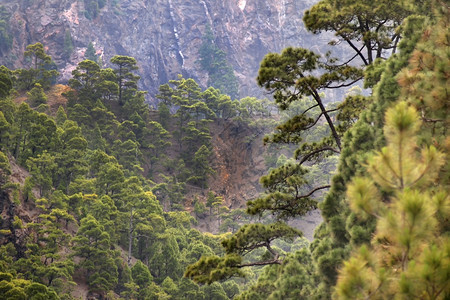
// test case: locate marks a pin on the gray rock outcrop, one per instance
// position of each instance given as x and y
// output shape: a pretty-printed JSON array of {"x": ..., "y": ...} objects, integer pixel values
[{"x": 163, "y": 35}]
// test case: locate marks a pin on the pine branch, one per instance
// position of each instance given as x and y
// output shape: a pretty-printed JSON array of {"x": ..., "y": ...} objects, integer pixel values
[
  {"x": 309, "y": 109},
  {"x": 432, "y": 120},
  {"x": 315, "y": 122},
  {"x": 318, "y": 100},
  {"x": 289, "y": 207},
  {"x": 306, "y": 157},
  {"x": 396, "y": 39},
  {"x": 314, "y": 190},
  {"x": 246, "y": 250},
  {"x": 357, "y": 50},
  {"x": 347, "y": 62},
  {"x": 261, "y": 263},
  {"x": 345, "y": 84}
]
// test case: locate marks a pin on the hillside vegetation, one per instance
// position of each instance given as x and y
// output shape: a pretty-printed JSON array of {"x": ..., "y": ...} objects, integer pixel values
[{"x": 95, "y": 185}]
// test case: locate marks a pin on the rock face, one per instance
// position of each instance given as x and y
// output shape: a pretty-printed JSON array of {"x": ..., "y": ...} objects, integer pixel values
[{"x": 163, "y": 35}]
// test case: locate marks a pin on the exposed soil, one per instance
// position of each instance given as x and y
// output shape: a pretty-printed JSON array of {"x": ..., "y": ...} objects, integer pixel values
[
  {"x": 55, "y": 98},
  {"x": 239, "y": 162}
]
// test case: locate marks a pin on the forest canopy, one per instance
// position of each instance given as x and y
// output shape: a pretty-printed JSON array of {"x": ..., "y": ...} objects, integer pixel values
[{"x": 98, "y": 189}]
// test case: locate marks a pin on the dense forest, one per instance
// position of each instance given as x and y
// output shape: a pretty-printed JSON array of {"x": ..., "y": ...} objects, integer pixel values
[{"x": 101, "y": 194}]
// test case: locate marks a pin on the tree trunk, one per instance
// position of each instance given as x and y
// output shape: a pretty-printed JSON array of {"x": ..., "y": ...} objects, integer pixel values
[{"x": 327, "y": 117}]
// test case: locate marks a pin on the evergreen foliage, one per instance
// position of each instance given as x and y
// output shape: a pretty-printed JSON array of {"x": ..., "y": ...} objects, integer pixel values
[
  {"x": 213, "y": 60},
  {"x": 409, "y": 254},
  {"x": 109, "y": 185},
  {"x": 87, "y": 174},
  {"x": 284, "y": 196},
  {"x": 68, "y": 44},
  {"x": 299, "y": 72},
  {"x": 290, "y": 76},
  {"x": 6, "y": 83},
  {"x": 368, "y": 27},
  {"x": 90, "y": 53},
  {"x": 42, "y": 69},
  {"x": 36, "y": 96},
  {"x": 92, "y": 8},
  {"x": 248, "y": 238},
  {"x": 5, "y": 169},
  {"x": 345, "y": 228},
  {"x": 16, "y": 288},
  {"x": 125, "y": 79},
  {"x": 5, "y": 36},
  {"x": 92, "y": 244}
]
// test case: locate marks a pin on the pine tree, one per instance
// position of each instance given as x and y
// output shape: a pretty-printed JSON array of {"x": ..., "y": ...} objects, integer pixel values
[
  {"x": 93, "y": 246},
  {"x": 213, "y": 60},
  {"x": 248, "y": 238},
  {"x": 290, "y": 76},
  {"x": 45, "y": 262},
  {"x": 61, "y": 116},
  {"x": 409, "y": 254},
  {"x": 70, "y": 155},
  {"x": 5, "y": 169},
  {"x": 368, "y": 27},
  {"x": 4, "y": 131},
  {"x": 90, "y": 53},
  {"x": 42, "y": 169},
  {"x": 68, "y": 44},
  {"x": 165, "y": 260},
  {"x": 103, "y": 210},
  {"x": 214, "y": 291},
  {"x": 6, "y": 39},
  {"x": 342, "y": 230},
  {"x": 125, "y": 78},
  {"x": 84, "y": 80},
  {"x": 201, "y": 166},
  {"x": 141, "y": 274},
  {"x": 36, "y": 96},
  {"x": 17, "y": 288},
  {"x": 92, "y": 8},
  {"x": 42, "y": 69},
  {"x": 286, "y": 196},
  {"x": 6, "y": 83}
]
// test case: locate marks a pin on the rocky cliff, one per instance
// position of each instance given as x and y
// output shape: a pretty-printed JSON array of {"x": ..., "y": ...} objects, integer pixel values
[{"x": 163, "y": 35}]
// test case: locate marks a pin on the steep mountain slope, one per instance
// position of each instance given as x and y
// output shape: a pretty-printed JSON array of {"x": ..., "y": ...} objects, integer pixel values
[
  {"x": 24, "y": 209},
  {"x": 238, "y": 162},
  {"x": 163, "y": 35}
]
